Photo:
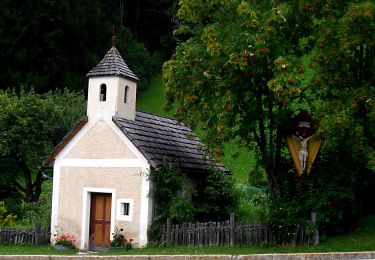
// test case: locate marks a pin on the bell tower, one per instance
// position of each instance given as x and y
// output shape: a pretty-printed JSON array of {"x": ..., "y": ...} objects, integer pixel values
[{"x": 112, "y": 88}]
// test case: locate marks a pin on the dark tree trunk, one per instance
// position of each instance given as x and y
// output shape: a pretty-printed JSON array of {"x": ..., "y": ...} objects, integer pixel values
[
  {"x": 37, "y": 185},
  {"x": 273, "y": 184},
  {"x": 31, "y": 189}
]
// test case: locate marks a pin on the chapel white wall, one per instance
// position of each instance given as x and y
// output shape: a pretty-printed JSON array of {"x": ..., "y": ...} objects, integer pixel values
[{"x": 86, "y": 163}]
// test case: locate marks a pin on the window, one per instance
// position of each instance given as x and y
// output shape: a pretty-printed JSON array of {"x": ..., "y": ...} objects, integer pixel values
[
  {"x": 126, "y": 94},
  {"x": 103, "y": 92},
  {"x": 124, "y": 209}
]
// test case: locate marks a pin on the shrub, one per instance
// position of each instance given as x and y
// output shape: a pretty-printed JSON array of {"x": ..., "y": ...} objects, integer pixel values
[
  {"x": 5, "y": 219},
  {"x": 253, "y": 204},
  {"x": 181, "y": 210},
  {"x": 120, "y": 241},
  {"x": 216, "y": 197},
  {"x": 67, "y": 240},
  {"x": 30, "y": 213}
]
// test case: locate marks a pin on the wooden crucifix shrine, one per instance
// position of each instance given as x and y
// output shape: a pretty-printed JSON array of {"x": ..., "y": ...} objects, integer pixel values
[{"x": 302, "y": 144}]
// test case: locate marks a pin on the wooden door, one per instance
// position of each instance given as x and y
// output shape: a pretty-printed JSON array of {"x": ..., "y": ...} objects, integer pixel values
[{"x": 100, "y": 220}]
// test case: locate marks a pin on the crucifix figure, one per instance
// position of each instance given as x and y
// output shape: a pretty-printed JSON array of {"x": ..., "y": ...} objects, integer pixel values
[
  {"x": 303, "y": 153},
  {"x": 303, "y": 135},
  {"x": 302, "y": 144}
]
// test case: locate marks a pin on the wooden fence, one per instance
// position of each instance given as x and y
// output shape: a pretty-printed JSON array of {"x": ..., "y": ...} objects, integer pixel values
[
  {"x": 24, "y": 236},
  {"x": 226, "y": 233}
]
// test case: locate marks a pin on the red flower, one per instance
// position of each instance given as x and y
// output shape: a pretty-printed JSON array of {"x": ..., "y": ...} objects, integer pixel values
[{"x": 262, "y": 50}]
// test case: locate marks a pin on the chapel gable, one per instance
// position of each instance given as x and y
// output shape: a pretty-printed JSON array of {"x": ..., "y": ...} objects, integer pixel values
[{"x": 100, "y": 142}]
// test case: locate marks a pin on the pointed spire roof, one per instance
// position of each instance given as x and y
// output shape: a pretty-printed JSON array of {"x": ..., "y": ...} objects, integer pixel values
[{"x": 112, "y": 65}]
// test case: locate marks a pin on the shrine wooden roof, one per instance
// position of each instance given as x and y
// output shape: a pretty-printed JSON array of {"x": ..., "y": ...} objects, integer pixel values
[
  {"x": 112, "y": 65},
  {"x": 159, "y": 138}
]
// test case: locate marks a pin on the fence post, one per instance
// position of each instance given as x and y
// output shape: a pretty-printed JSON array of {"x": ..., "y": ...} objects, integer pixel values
[
  {"x": 168, "y": 231},
  {"x": 37, "y": 232},
  {"x": 232, "y": 224},
  {"x": 316, "y": 232}
]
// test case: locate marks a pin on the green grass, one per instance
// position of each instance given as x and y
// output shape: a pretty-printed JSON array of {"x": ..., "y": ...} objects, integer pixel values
[
  {"x": 362, "y": 240},
  {"x": 239, "y": 160},
  {"x": 32, "y": 250},
  {"x": 152, "y": 98}
]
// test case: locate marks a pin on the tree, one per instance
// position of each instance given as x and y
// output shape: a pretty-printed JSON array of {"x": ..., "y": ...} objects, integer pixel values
[
  {"x": 30, "y": 126},
  {"x": 141, "y": 15},
  {"x": 49, "y": 44},
  {"x": 232, "y": 74},
  {"x": 5, "y": 219},
  {"x": 248, "y": 66},
  {"x": 343, "y": 59},
  {"x": 137, "y": 56}
]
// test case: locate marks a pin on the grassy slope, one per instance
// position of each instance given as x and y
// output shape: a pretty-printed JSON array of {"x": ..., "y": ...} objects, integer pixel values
[{"x": 152, "y": 100}]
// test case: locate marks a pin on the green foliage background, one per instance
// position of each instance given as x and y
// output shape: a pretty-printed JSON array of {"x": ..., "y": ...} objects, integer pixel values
[
  {"x": 243, "y": 69},
  {"x": 31, "y": 125},
  {"x": 49, "y": 44},
  {"x": 240, "y": 71}
]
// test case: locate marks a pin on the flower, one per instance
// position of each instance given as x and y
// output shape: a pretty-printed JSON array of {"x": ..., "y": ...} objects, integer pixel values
[
  {"x": 119, "y": 240},
  {"x": 67, "y": 240}
]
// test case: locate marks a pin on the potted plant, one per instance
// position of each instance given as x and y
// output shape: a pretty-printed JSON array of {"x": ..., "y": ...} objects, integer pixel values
[
  {"x": 119, "y": 240},
  {"x": 64, "y": 241}
]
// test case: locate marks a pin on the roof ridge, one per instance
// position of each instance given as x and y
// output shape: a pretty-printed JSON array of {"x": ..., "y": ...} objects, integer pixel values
[
  {"x": 150, "y": 113},
  {"x": 115, "y": 56},
  {"x": 112, "y": 65}
]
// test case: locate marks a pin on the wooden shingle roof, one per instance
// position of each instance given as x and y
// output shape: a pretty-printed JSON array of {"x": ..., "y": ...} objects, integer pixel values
[
  {"x": 112, "y": 65},
  {"x": 159, "y": 138}
]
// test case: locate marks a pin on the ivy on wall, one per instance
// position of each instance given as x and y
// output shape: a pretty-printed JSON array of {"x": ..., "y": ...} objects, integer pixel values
[{"x": 214, "y": 200}]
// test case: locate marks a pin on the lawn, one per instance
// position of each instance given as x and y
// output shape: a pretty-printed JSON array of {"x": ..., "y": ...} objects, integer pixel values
[
  {"x": 361, "y": 240},
  {"x": 31, "y": 250},
  {"x": 152, "y": 98}
]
